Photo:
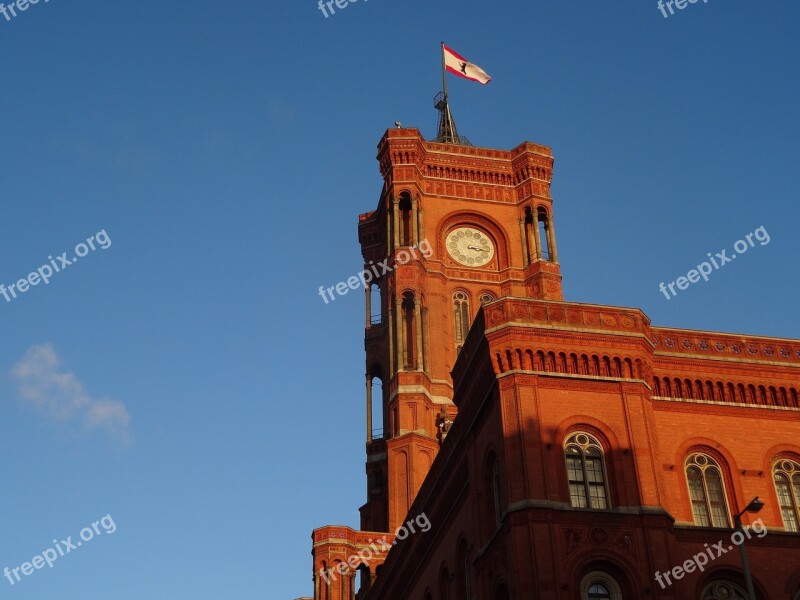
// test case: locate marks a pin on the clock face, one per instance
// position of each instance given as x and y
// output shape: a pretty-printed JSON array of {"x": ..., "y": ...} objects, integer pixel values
[{"x": 470, "y": 247}]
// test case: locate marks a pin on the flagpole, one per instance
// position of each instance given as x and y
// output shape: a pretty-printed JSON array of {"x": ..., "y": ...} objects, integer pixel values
[
  {"x": 448, "y": 114},
  {"x": 444, "y": 75},
  {"x": 447, "y": 127}
]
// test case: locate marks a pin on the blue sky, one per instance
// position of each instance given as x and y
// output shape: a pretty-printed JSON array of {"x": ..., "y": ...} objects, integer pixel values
[{"x": 188, "y": 380}]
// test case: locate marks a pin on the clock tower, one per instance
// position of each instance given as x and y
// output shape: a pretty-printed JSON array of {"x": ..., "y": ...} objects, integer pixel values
[
  {"x": 456, "y": 226},
  {"x": 591, "y": 449}
]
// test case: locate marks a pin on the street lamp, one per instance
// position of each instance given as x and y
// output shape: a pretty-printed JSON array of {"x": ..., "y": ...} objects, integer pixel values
[{"x": 754, "y": 506}]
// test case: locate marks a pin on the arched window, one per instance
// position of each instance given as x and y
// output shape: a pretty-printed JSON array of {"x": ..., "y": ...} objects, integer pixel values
[
  {"x": 461, "y": 315},
  {"x": 787, "y": 484},
  {"x": 586, "y": 472},
  {"x": 406, "y": 226},
  {"x": 486, "y": 297},
  {"x": 600, "y": 586},
  {"x": 543, "y": 224},
  {"x": 491, "y": 496},
  {"x": 498, "y": 509},
  {"x": 444, "y": 584},
  {"x": 324, "y": 583},
  {"x": 530, "y": 240},
  {"x": 707, "y": 491},
  {"x": 464, "y": 573},
  {"x": 723, "y": 590},
  {"x": 599, "y": 591},
  {"x": 343, "y": 581},
  {"x": 375, "y": 400},
  {"x": 408, "y": 313},
  {"x": 374, "y": 304},
  {"x": 364, "y": 578}
]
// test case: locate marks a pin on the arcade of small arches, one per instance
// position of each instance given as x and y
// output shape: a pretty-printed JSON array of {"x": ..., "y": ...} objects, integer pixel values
[
  {"x": 569, "y": 363},
  {"x": 483, "y": 176},
  {"x": 533, "y": 172},
  {"x": 470, "y": 175},
  {"x": 663, "y": 387},
  {"x": 734, "y": 393},
  {"x": 474, "y": 175}
]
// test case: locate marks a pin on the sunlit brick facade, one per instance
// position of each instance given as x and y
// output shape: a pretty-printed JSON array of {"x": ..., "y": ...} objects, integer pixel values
[{"x": 561, "y": 450}]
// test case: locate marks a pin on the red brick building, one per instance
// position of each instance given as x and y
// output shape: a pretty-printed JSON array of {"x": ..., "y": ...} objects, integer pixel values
[{"x": 591, "y": 450}]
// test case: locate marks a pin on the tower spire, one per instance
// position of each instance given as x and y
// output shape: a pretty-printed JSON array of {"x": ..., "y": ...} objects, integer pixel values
[{"x": 448, "y": 134}]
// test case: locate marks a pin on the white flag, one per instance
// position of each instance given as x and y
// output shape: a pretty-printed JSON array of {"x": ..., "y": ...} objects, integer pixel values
[{"x": 458, "y": 65}]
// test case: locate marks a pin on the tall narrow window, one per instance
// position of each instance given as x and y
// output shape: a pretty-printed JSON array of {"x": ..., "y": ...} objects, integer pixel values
[
  {"x": 544, "y": 234},
  {"x": 444, "y": 584},
  {"x": 410, "y": 330},
  {"x": 787, "y": 483},
  {"x": 343, "y": 581},
  {"x": 530, "y": 236},
  {"x": 723, "y": 590},
  {"x": 502, "y": 593},
  {"x": 364, "y": 579},
  {"x": 486, "y": 297},
  {"x": 375, "y": 402},
  {"x": 498, "y": 509},
  {"x": 461, "y": 315},
  {"x": 465, "y": 581},
  {"x": 707, "y": 492},
  {"x": 586, "y": 472},
  {"x": 406, "y": 224},
  {"x": 375, "y": 304},
  {"x": 324, "y": 584}
]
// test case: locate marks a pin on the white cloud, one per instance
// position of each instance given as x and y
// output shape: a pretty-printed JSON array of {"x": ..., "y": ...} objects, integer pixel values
[{"x": 60, "y": 396}]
